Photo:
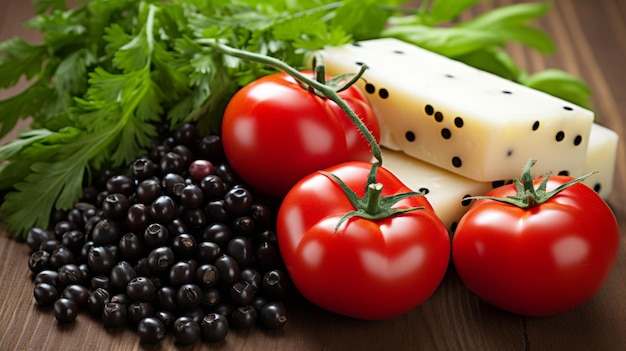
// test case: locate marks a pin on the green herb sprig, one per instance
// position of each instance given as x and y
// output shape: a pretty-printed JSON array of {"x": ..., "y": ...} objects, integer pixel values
[{"x": 109, "y": 73}]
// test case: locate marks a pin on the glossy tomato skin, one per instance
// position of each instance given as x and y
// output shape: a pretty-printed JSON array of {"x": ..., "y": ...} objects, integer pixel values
[
  {"x": 541, "y": 261},
  {"x": 275, "y": 132},
  {"x": 367, "y": 269}
]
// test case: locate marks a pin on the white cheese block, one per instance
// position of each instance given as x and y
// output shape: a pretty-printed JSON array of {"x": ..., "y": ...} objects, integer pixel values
[
  {"x": 464, "y": 120},
  {"x": 601, "y": 157},
  {"x": 446, "y": 191}
]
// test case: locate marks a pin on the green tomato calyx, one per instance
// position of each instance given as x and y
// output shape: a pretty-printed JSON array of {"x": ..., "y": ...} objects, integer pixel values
[
  {"x": 372, "y": 206},
  {"x": 527, "y": 195}
]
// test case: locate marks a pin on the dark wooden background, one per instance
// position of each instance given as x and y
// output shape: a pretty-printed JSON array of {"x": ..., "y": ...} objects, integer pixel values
[{"x": 591, "y": 41}]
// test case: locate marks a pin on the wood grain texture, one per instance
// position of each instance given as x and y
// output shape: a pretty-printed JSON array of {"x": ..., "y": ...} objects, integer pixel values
[{"x": 590, "y": 37}]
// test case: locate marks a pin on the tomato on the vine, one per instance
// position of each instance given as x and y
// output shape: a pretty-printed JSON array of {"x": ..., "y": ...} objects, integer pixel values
[
  {"x": 376, "y": 260},
  {"x": 275, "y": 131},
  {"x": 545, "y": 257}
]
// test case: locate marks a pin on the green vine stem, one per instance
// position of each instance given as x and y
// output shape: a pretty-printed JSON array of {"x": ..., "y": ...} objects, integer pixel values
[{"x": 326, "y": 90}]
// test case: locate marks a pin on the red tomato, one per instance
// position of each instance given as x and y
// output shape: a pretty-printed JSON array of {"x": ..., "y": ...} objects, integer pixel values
[
  {"x": 538, "y": 261},
  {"x": 275, "y": 132},
  {"x": 366, "y": 269}
]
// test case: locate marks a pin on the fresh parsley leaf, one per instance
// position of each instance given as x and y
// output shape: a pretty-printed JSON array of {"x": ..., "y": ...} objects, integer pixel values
[
  {"x": 62, "y": 29},
  {"x": 309, "y": 34},
  {"x": 135, "y": 54},
  {"x": 25, "y": 104},
  {"x": 12, "y": 173},
  {"x": 19, "y": 58},
  {"x": 169, "y": 77},
  {"x": 115, "y": 37},
  {"x": 71, "y": 73},
  {"x": 51, "y": 184},
  {"x": 25, "y": 139}
]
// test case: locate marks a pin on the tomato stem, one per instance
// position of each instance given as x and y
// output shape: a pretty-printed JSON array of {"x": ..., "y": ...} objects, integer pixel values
[
  {"x": 319, "y": 68},
  {"x": 527, "y": 195},
  {"x": 325, "y": 89},
  {"x": 373, "y": 205},
  {"x": 374, "y": 190}
]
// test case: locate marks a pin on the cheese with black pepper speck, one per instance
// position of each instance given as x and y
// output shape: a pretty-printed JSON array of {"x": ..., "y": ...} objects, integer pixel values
[
  {"x": 462, "y": 119},
  {"x": 448, "y": 192},
  {"x": 601, "y": 157}
]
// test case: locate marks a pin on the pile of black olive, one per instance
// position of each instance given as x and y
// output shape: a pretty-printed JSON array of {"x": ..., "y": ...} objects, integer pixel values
[{"x": 175, "y": 243}]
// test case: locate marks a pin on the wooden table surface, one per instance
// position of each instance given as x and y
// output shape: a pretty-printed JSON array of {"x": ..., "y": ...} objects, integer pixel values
[{"x": 591, "y": 41}]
